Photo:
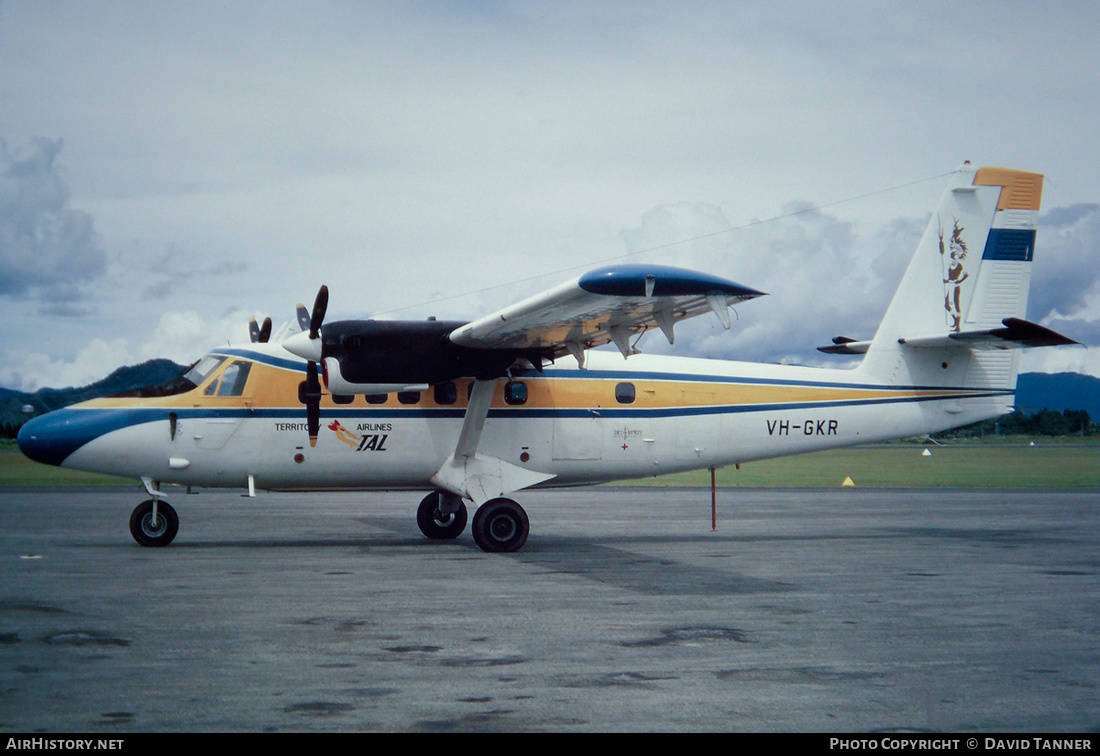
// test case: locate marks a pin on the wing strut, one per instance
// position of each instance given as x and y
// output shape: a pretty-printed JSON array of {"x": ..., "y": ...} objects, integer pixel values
[
  {"x": 477, "y": 412},
  {"x": 475, "y": 476}
]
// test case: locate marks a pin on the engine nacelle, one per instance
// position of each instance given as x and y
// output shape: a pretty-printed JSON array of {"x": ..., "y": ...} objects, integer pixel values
[{"x": 381, "y": 356}]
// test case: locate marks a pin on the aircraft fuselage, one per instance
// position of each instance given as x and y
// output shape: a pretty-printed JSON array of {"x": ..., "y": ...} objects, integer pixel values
[{"x": 616, "y": 419}]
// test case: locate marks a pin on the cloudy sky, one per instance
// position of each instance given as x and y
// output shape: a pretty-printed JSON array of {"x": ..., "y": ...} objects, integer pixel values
[{"x": 168, "y": 169}]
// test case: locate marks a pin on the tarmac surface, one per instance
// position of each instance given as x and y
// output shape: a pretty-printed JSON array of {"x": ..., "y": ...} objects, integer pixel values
[{"x": 841, "y": 610}]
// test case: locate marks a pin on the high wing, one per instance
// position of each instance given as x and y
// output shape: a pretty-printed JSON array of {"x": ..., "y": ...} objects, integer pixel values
[{"x": 607, "y": 305}]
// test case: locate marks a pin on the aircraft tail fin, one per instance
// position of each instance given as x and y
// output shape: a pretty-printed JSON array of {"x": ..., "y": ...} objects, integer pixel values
[{"x": 957, "y": 316}]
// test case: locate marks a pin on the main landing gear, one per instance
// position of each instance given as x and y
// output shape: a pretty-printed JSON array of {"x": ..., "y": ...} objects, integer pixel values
[
  {"x": 154, "y": 523},
  {"x": 499, "y": 525}
]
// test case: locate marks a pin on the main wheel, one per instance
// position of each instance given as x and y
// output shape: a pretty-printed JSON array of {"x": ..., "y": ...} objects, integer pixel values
[
  {"x": 150, "y": 532},
  {"x": 436, "y": 524},
  {"x": 500, "y": 525}
]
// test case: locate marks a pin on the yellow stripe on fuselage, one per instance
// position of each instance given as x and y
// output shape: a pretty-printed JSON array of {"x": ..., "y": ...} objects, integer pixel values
[{"x": 272, "y": 387}]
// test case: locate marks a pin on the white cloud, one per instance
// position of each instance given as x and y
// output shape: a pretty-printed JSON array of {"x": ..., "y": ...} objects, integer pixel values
[
  {"x": 1067, "y": 263},
  {"x": 186, "y": 336},
  {"x": 179, "y": 336},
  {"x": 47, "y": 249},
  {"x": 35, "y": 370},
  {"x": 823, "y": 277}
]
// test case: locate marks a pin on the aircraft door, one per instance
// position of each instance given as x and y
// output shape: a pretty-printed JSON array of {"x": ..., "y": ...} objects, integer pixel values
[
  {"x": 578, "y": 437},
  {"x": 223, "y": 398}
]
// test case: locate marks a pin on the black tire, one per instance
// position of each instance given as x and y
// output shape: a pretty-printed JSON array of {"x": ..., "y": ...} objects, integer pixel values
[
  {"x": 143, "y": 529},
  {"x": 500, "y": 526},
  {"x": 436, "y": 525}
]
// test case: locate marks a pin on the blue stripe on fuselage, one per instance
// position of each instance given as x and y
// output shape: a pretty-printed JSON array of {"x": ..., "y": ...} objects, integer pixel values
[{"x": 51, "y": 438}]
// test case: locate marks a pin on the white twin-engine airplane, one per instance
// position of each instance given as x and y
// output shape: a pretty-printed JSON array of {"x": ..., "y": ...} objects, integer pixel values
[{"x": 473, "y": 412}]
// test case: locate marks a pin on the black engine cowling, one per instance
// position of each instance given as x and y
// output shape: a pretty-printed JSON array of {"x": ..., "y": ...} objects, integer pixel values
[{"x": 369, "y": 356}]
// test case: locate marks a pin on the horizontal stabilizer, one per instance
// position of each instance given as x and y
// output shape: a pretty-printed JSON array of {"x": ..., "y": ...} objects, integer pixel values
[
  {"x": 844, "y": 345},
  {"x": 1016, "y": 334}
]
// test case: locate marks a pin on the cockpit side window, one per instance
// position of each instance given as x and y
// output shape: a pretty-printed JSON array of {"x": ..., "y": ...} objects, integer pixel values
[{"x": 232, "y": 380}]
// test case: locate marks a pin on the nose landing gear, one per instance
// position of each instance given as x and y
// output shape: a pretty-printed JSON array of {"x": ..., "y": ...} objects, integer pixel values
[
  {"x": 441, "y": 516},
  {"x": 154, "y": 523}
]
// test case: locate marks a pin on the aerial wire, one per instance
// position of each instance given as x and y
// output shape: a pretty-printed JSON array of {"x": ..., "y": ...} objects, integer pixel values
[{"x": 666, "y": 245}]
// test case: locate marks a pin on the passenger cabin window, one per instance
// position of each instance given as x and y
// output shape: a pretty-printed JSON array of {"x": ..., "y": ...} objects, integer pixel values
[
  {"x": 408, "y": 397},
  {"x": 446, "y": 393},
  {"x": 377, "y": 398},
  {"x": 515, "y": 392},
  {"x": 624, "y": 393},
  {"x": 343, "y": 398},
  {"x": 232, "y": 381}
]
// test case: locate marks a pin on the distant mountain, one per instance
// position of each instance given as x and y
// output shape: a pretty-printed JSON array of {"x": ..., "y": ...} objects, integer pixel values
[
  {"x": 124, "y": 380},
  {"x": 1059, "y": 391}
]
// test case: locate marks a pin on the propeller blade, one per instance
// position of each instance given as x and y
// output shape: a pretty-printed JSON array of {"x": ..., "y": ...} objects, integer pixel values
[
  {"x": 303, "y": 317},
  {"x": 313, "y": 403},
  {"x": 320, "y": 305},
  {"x": 265, "y": 331},
  {"x": 253, "y": 330}
]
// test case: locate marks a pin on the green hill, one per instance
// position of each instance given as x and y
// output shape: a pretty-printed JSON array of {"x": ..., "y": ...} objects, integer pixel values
[{"x": 124, "y": 380}]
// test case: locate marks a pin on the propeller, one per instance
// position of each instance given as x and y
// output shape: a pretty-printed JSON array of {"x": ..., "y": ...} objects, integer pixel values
[
  {"x": 303, "y": 317},
  {"x": 308, "y": 346},
  {"x": 313, "y": 403},
  {"x": 259, "y": 333},
  {"x": 320, "y": 305}
]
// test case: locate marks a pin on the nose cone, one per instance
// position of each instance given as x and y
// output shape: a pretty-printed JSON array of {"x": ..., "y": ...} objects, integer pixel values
[
  {"x": 303, "y": 346},
  {"x": 51, "y": 438},
  {"x": 38, "y": 439}
]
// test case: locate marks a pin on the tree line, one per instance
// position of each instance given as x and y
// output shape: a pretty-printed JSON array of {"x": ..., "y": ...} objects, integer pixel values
[{"x": 1045, "y": 422}]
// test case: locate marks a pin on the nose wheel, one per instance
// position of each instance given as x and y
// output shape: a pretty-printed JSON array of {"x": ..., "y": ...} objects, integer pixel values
[
  {"x": 441, "y": 516},
  {"x": 154, "y": 523},
  {"x": 500, "y": 525}
]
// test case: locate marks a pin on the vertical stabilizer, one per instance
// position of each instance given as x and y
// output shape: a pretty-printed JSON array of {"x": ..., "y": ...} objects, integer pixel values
[{"x": 971, "y": 271}]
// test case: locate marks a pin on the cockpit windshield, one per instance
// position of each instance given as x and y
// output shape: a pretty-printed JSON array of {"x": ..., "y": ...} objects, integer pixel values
[
  {"x": 203, "y": 368},
  {"x": 188, "y": 380}
]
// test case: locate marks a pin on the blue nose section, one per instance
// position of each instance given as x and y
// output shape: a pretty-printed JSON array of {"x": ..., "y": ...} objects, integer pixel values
[{"x": 51, "y": 438}]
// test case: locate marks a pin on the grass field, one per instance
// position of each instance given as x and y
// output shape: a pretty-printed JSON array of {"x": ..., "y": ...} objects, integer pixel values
[
  {"x": 902, "y": 465},
  {"x": 905, "y": 466},
  {"x": 17, "y": 470}
]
